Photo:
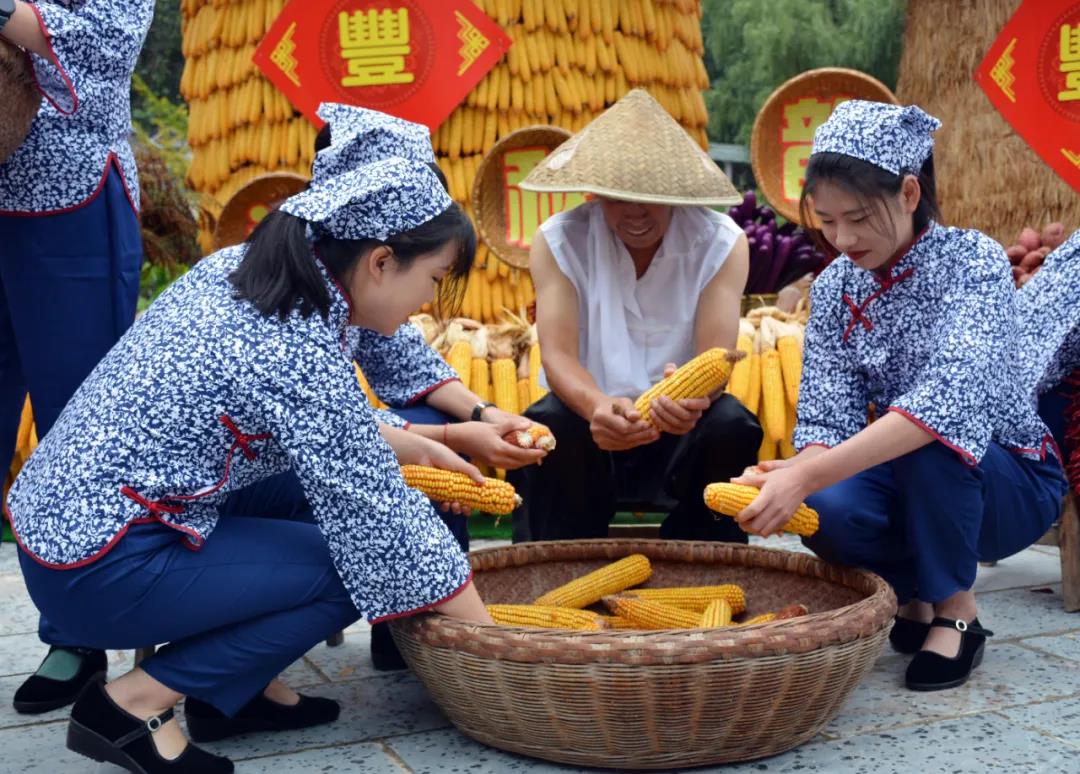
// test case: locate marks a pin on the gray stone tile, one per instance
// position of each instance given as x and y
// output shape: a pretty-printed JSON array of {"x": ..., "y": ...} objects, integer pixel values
[
  {"x": 367, "y": 758},
  {"x": 9, "y": 718},
  {"x": 450, "y": 751},
  {"x": 1025, "y": 569},
  {"x": 971, "y": 745},
  {"x": 1064, "y": 645},
  {"x": 370, "y": 709},
  {"x": 22, "y": 653},
  {"x": 19, "y": 614},
  {"x": 301, "y": 674},
  {"x": 9, "y": 560},
  {"x": 1059, "y": 719},
  {"x": 350, "y": 660},
  {"x": 1020, "y": 613},
  {"x": 42, "y": 749},
  {"x": 1010, "y": 675}
]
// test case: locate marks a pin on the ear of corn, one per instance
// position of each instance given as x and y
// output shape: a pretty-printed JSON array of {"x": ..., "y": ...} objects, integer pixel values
[
  {"x": 536, "y": 437},
  {"x": 739, "y": 384},
  {"x": 694, "y": 598},
  {"x": 699, "y": 378},
  {"x": 731, "y": 499},
  {"x": 460, "y": 359},
  {"x": 718, "y": 613},
  {"x": 753, "y": 395},
  {"x": 480, "y": 378},
  {"x": 504, "y": 385},
  {"x": 609, "y": 579},
  {"x": 772, "y": 396},
  {"x": 546, "y": 617},
  {"x": 448, "y": 486},
  {"x": 618, "y": 622},
  {"x": 759, "y": 619},
  {"x": 652, "y": 615},
  {"x": 791, "y": 611},
  {"x": 790, "y": 352}
]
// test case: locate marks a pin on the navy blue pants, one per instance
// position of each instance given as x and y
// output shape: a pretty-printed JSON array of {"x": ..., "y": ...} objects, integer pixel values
[
  {"x": 923, "y": 521},
  {"x": 69, "y": 284}
]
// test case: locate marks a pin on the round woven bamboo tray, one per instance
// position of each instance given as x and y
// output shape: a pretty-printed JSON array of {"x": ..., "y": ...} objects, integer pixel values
[
  {"x": 253, "y": 202},
  {"x": 767, "y": 143},
  {"x": 488, "y": 193},
  {"x": 19, "y": 96},
  {"x": 660, "y": 699}
]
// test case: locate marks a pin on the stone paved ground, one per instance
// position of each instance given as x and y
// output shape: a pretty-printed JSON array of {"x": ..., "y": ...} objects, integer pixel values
[{"x": 1020, "y": 713}]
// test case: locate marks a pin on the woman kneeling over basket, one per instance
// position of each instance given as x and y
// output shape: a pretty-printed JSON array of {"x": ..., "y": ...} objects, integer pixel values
[
  {"x": 239, "y": 371},
  {"x": 918, "y": 320}
]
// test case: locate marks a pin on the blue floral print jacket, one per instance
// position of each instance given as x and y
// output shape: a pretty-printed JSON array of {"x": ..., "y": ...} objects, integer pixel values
[
  {"x": 381, "y": 358},
  {"x": 1048, "y": 309},
  {"x": 204, "y": 395},
  {"x": 84, "y": 121},
  {"x": 932, "y": 337}
]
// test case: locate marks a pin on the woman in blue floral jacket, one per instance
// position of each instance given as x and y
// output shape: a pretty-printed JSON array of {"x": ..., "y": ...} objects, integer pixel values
[
  {"x": 72, "y": 249},
  {"x": 919, "y": 321},
  {"x": 241, "y": 370}
]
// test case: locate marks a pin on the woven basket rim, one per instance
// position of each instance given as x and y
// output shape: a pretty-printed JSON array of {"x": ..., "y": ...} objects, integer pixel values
[
  {"x": 487, "y": 198},
  {"x": 762, "y": 151},
  {"x": 671, "y": 646},
  {"x": 232, "y": 220}
]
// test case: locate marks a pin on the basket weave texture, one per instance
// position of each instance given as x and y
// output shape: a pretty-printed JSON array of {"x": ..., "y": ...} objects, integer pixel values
[
  {"x": 19, "y": 96},
  {"x": 766, "y": 146},
  {"x": 658, "y": 699}
]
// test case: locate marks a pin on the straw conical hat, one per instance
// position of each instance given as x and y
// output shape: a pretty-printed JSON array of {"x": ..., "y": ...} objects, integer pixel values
[
  {"x": 18, "y": 95},
  {"x": 253, "y": 202},
  {"x": 635, "y": 151}
]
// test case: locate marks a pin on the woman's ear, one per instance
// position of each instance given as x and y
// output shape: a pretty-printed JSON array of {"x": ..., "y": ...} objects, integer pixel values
[
  {"x": 910, "y": 194},
  {"x": 377, "y": 261}
]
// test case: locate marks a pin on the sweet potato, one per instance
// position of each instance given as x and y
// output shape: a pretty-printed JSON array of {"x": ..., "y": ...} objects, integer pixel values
[
  {"x": 1017, "y": 273},
  {"x": 1032, "y": 259},
  {"x": 1024, "y": 278},
  {"x": 1053, "y": 235},
  {"x": 1029, "y": 238}
]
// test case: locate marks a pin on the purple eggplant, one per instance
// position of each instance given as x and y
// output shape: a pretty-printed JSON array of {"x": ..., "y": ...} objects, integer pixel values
[{"x": 779, "y": 263}]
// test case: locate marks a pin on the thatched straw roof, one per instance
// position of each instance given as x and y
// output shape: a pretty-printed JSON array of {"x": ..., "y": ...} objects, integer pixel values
[{"x": 988, "y": 177}]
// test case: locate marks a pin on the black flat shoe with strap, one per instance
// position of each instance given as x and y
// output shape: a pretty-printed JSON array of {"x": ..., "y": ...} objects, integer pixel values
[
  {"x": 907, "y": 635},
  {"x": 930, "y": 671},
  {"x": 104, "y": 731},
  {"x": 206, "y": 723},
  {"x": 45, "y": 690}
]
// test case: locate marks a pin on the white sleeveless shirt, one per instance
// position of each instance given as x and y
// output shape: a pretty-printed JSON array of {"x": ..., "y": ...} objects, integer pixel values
[{"x": 629, "y": 328}]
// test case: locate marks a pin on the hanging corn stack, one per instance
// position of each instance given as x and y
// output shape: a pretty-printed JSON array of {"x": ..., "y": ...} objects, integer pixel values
[
  {"x": 447, "y": 486},
  {"x": 768, "y": 385},
  {"x": 570, "y": 60}
]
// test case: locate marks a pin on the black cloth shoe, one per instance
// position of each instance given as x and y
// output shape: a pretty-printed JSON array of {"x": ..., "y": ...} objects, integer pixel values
[
  {"x": 206, "y": 723},
  {"x": 42, "y": 694},
  {"x": 907, "y": 635},
  {"x": 101, "y": 730},
  {"x": 933, "y": 672},
  {"x": 385, "y": 655}
]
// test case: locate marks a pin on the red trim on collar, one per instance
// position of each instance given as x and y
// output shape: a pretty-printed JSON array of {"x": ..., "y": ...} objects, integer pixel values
[
  {"x": 858, "y": 311},
  {"x": 111, "y": 161},
  {"x": 967, "y": 457},
  {"x": 338, "y": 285},
  {"x": 425, "y": 608},
  {"x": 428, "y": 390},
  {"x": 56, "y": 63},
  {"x": 881, "y": 273}
]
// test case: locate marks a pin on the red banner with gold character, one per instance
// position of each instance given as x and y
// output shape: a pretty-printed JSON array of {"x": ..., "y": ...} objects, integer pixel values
[
  {"x": 1032, "y": 75},
  {"x": 415, "y": 59}
]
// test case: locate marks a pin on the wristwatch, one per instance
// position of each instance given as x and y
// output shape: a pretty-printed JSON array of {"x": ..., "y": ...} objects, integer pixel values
[
  {"x": 478, "y": 409},
  {"x": 7, "y": 10}
]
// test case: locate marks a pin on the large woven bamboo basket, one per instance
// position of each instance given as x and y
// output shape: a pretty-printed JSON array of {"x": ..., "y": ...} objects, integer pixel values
[
  {"x": 660, "y": 699},
  {"x": 19, "y": 95},
  {"x": 767, "y": 139}
]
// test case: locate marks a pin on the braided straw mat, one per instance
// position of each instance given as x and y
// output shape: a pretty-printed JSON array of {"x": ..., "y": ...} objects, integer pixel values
[
  {"x": 19, "y": 96},
  {"x": 657, "y": 699},
  {"x": 635, "y": 151}
]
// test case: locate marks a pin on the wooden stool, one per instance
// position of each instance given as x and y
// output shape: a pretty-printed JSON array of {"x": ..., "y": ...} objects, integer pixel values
[{"x": 1066, "y": 535}]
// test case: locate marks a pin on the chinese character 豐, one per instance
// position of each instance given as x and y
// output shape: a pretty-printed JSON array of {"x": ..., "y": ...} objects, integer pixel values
[
  {"x": 374, "y": 45},
  {"x": 1070, "y": 62}
]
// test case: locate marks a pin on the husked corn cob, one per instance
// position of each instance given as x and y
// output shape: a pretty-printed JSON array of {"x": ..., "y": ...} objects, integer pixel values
[
  {"x": 731, "y": 499},
  {"x": 609, "y": 579},
  {"x": 504, "y": 384},
  {"x": 459, "y": 357},
  {"x": 480, "y": 379},
  {"x": 791, "y": 611},
  {"x": 695, "y": 598},
  {"x": 718, "y": 613},
  {"x": 537, "y": 436},
  {"x": 772, "y": 396},
  {"x": 652, "y": 615},
  {"x": 753, "y": 395},
  {"x": 759, "y": 619},
  {"x": 546, "y": 617},
  {"x": 739, "y": 384},
  {"x": 618, "y": 622},
  {"x": 448, "y": 486},
  {"x": 790, "y": 366},
  {"x": 699, "y": 378}
]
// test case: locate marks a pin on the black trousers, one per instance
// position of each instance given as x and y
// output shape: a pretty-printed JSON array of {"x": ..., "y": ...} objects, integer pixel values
[{"x": 577, "y": 490}]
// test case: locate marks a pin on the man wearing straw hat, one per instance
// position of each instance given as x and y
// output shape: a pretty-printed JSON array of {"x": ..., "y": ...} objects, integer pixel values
[{"x": 628, "y": 285}]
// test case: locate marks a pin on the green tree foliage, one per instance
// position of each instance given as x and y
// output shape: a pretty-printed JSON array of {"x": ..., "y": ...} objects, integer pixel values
[
  {"x": 752, "y": 46},
  {"x": 161, "y": 62}
]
